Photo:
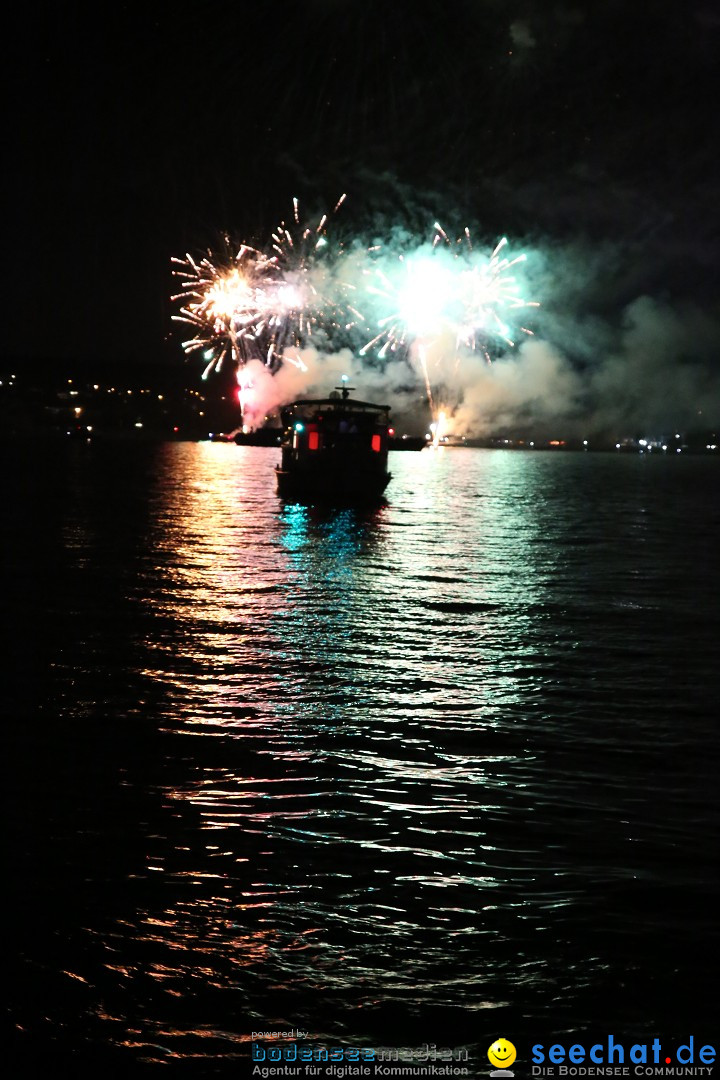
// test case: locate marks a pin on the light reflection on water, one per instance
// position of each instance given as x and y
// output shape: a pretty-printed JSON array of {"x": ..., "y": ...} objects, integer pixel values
[{"x": 414, "y": 763}]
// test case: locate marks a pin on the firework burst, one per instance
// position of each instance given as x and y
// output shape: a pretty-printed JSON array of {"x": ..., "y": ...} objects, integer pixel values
[
  {"x": 228, "y": 303},
  {"x": 447, "y": 288},
  {"x": 258, "y": 304},
  {"x": 441, "y": 302}
]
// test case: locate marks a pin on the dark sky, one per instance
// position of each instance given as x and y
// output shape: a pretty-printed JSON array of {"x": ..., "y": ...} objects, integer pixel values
[{"x": 136, "y": 132}]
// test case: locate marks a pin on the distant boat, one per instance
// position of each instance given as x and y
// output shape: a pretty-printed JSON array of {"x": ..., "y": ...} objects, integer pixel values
[
  {"x": 407, "y": 442},
  {"x": 270, "y": 436},
  {"x": 334, "y": 448}
]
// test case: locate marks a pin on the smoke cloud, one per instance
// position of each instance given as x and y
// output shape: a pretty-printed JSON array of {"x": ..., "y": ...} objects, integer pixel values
[{"x": 647, "y": 366}]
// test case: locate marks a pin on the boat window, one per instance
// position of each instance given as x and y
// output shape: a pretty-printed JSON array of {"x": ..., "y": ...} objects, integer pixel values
[{"x": 375, "y": 442}]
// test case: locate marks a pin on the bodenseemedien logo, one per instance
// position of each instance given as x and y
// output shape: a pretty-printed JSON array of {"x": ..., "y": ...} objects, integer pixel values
[{"x": 501, "y": 1054}]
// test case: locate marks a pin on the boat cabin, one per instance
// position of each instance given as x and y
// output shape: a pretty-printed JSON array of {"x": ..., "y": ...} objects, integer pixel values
[{"x": 334, "y": 446}]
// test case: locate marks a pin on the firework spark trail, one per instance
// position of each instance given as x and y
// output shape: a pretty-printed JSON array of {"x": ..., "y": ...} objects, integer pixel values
[
  {"x": 422, "y": 357},
  {"x": 439, "y": 429}
]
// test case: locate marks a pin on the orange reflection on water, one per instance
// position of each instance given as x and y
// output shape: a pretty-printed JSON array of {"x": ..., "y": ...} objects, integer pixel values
[{"x": 221, "y": 580}]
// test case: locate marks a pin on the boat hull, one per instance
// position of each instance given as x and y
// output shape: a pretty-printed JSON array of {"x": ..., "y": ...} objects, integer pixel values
[{"x": 331, "y": 485}]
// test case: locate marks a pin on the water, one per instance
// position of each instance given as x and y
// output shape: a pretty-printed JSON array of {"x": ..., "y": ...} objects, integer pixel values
[{"x": 433, "y": 772}]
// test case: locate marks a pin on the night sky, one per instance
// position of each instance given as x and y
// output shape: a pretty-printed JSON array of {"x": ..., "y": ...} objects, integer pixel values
[{"x": 587, "y": 133}]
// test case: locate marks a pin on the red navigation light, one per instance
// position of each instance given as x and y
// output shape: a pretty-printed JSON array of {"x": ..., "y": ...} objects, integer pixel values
[
  {"x": 391, "y": 431},
  {"x": 375, "y": 443}
]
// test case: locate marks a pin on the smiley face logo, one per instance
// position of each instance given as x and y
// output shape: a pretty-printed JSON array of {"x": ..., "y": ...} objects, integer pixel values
[{"x": 502, "y": 1054}]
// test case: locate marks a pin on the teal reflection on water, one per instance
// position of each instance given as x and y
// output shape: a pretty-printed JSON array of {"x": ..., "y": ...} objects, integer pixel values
[
  {"x": 329, "y": 552},
  {"x": 312, "y": 535}
]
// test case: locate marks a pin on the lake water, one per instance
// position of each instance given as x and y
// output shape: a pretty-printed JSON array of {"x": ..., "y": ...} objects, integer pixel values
[{"x": 429, "y": 773}]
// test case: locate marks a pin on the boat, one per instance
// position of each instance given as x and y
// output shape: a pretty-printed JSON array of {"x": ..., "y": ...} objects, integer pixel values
[
  {"x": 334, "y": 448},
  {"x": 407, "y": 442}
]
